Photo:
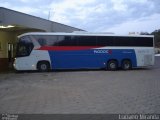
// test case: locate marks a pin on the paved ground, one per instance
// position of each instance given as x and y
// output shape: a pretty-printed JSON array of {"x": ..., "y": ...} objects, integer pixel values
[{"x": 93, "y": 91}]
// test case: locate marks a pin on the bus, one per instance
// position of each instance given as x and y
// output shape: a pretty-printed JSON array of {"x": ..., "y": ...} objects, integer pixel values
[{"x": 51, "y": 51}]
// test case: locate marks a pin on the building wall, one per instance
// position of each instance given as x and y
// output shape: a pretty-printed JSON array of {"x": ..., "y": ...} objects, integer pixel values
[{"x": 5, "y": 38}]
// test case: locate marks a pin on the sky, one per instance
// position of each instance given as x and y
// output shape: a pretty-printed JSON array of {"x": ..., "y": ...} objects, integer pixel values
[{"x": 117, "y": 16}]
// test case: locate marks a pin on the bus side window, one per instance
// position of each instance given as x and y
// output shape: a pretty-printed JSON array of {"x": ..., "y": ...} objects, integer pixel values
[
  {"x": 42, "y": 41},
  {"x": 105, "y": 41},
  {"x": 52, "y": 40},
  {"x": 67, "y": 41},
  {"x": 144, "y": 41},
  {"x": 62, "y": 40},
  {"x": 87, "y": 40}
]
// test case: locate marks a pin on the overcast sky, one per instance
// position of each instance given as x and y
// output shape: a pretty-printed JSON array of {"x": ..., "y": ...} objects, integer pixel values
[{"x": 118, "y": 16}]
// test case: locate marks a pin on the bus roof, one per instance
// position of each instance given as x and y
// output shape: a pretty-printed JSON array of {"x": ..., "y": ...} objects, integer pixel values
[{"x": 82, "y": 34}]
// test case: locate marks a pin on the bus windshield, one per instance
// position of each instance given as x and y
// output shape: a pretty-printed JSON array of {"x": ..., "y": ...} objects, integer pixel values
[{"x": 24, "y": 47}]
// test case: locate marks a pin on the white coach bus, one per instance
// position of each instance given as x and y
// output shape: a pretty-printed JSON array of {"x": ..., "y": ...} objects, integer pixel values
[{"x": 45, "y": 51}]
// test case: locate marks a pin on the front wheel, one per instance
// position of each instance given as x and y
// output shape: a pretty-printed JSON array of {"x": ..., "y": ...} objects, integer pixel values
[
  {"x": 43, "y": 66},
  {"x": 126, "y": 65},
  {"x": 112, "y": 65}
]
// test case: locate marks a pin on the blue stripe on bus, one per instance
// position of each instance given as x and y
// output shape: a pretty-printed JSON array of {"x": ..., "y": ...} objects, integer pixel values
[{"x": 89, "y": 58}]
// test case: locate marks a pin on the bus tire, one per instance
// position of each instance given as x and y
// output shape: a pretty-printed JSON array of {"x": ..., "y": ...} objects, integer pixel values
[
  {"x": 43, "y": 66},
  {"x": 112, "y": 65},
  {"x": 126, "y": 64}
]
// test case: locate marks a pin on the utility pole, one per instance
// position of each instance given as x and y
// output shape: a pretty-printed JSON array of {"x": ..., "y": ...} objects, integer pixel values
[{"x": 50, "y": 13}]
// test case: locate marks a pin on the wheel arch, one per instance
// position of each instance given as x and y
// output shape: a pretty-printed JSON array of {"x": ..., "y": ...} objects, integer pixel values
[
  {"x": 113, "y": 60},
  {"x": 130, "y": 62},
  {"x": 43, "y": 61},
  {"x": 126, "y": 59},
  {"x": 108, "y": 64}
]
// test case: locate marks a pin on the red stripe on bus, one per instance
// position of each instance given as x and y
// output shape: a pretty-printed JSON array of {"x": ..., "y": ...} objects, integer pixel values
[{"x": 58, "y": 48}]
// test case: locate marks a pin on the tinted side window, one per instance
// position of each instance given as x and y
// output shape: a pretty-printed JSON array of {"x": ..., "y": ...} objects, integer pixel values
[
  {"x": 51, "y": 40},
  {"x": 73, "y": 41},
  {"x": 144, "y": 41},
  {"x": 149, "y": 41},
  {"x": 87, "y": 40},
  {"x": 67, "y": 41},
  {"x": 46, "y": 40},
  {"x": 105, "y": 41},
  {"x": 62, "y": 41},
  {"x": 123, "y": 41},
  {"x": 133, "y": 41},
  {"x": 42, "y": 41}
]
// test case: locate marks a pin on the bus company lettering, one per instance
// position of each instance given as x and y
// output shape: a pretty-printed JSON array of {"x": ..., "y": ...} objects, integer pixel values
[{"x": 99, "y": 51}]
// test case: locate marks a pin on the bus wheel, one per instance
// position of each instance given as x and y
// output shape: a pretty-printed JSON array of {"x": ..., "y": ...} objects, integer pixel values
[
  {"x": 112, "y": 65},
  {"x": 126, "y": 65},
  {"x": 43, "y": 66}
]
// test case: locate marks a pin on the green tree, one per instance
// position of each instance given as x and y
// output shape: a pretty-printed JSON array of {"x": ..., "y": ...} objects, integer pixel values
[{"x": 156, "y": 34}]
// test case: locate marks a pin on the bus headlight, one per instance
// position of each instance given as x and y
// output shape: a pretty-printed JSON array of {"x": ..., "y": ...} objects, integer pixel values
[
  {"x": 14, "y": 63},
  {"x": 33, "y": 66}
]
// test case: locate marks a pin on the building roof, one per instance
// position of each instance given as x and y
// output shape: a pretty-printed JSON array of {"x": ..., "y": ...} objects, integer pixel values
[{"x": 8, "y": 16}]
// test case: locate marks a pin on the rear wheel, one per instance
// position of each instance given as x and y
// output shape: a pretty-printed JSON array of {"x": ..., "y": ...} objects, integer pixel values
[
  {"x": 43, "y": 66},
  {"x": 112, "y": 65},
  {"x": 126, "y": 65}
]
